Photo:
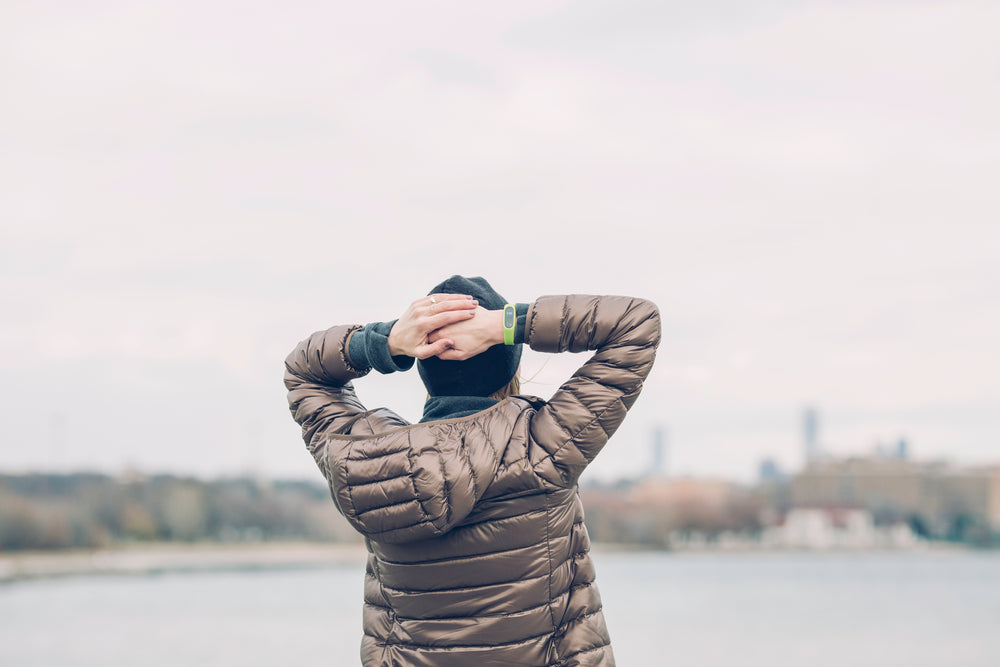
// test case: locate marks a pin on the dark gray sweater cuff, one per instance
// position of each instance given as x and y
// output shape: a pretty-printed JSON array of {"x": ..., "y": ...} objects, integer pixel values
[
  {"x": 521, "y": 310},
  {"x": 369, "y": 348}
]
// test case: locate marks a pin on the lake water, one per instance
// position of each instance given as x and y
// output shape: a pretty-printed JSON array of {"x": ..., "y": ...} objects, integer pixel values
[{"x": 859, "y": 610}]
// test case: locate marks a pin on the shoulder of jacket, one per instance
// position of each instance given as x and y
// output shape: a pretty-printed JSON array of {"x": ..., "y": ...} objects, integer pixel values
[{"x": 372, "y": 423}]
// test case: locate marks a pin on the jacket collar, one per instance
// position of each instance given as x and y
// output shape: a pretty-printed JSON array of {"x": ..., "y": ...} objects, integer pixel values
[{"x": 449, "y": 407}]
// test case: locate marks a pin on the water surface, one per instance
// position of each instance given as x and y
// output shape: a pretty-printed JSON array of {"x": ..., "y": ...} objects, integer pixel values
[{"x": 862, "y": 610}]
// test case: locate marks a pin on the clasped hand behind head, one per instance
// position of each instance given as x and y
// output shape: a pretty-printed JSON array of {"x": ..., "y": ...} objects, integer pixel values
[{"x": 449, "y": 326}]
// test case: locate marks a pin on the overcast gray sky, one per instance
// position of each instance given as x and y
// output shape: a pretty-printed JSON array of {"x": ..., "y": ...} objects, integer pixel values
[{"x": 807, "y": 189}]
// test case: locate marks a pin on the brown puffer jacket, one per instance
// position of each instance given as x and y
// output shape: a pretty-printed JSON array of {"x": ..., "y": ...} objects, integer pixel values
[{"x": 478, "y": 555}]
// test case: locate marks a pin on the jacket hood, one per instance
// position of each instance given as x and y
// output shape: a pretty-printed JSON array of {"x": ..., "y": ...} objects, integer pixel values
[{"x": 440, "y": 469}]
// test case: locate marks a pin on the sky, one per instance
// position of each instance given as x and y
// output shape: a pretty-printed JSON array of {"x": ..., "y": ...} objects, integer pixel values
[{"x": 807, "y": 189}]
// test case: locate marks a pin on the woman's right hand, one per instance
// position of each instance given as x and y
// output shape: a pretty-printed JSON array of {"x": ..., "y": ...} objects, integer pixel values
[
  {"x": 468, "y": 337},
  {"x": 409, "y": 335}
]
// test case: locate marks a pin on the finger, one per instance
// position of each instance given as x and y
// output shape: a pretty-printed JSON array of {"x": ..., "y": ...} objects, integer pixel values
[
  {"x": 434, "y": 299},
  {"x": 437, "y": 303},
  {"x": 446, "y": 329},
  {"x": 450, "y": 306},
  {"x": 452, "y": 354},
  {"x": 434, "y": 349},
  {"x": 448, "y": 317},
  {"x": 437, "y": 334},
  {"x": 440, "y": 298}
]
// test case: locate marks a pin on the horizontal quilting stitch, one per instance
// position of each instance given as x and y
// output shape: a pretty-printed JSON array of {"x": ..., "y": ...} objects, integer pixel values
[
  {"x": 581, "y": 618},
  {"x": 501, "y": 636},
  {"x": 489, "y": 600},
  {"x": 607, "y": 370},
  {"x": 577, "y": 654},
  {"x": 461, "y": 589},
  {"x": 503, "y": 519},
  {"x": 465, "y": 647},
  {"x": 576, "y": 587},
  {"x": 458, "y": 560},
  {"x": 367, "y": 497},
  {"x": 376, "y": 450},
  {"x": 374, "y": 534},
  {"x": 382, "y": 508},
  {"x": 379, "y": 482},
  {"x": 387, "y": 474},
  {"x": 444, "y": 578},
  {"x": 467, "y": 540},
  {"x": 505, "y": 614}
]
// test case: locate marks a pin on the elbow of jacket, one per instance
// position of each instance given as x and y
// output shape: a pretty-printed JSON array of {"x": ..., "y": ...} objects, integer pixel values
[{"x": 650, "y": 323}]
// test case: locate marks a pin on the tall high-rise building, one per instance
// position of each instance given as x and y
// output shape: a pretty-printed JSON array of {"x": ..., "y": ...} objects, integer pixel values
[
  {"x": 769, "y": 471},
  {"x": 658, "y": 465},
  {"x": 903, "y": 450},
  {"x": 810, "y": 433}
]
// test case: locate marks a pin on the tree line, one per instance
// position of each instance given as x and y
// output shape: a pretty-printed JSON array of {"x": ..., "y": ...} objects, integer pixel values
[{"x": 82, "y": 510}]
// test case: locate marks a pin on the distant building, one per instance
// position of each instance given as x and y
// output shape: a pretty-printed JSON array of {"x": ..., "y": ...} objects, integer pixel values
[
  {"x": 894, "y": 487},
  {"x": 900, "y": 450},
  {"x": 823, "y": 529},
  {"x": 810, "y": 434},
  {"x": 658, "y": 464},
  {"x": 680, "y": 491},
  {"x": 903, "y": 450},
  {"x": 769, "y": 471}
]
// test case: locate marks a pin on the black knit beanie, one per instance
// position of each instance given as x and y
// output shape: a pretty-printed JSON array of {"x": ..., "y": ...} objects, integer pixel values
[{"x": 482, "y": 374}]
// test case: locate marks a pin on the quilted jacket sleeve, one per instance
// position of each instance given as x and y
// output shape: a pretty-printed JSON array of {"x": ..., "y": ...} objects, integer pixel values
[
  {"x": 317, "y": 375},
  {"x": 570, "y": 430}
]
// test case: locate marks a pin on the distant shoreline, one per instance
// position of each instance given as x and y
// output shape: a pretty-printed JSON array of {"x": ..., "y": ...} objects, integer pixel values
[{"x": 174, "y": 557}]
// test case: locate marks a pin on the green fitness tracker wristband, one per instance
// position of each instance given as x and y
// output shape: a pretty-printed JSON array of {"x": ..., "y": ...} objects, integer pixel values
[{"x": 509, "y": 323}]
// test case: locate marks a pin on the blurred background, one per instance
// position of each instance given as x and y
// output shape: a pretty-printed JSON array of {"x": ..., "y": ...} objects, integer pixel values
[{"x": 806, "y": 188}]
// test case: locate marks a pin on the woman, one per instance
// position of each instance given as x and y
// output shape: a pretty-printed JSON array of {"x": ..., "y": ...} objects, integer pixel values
[{"x": 477, "y": 551}]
